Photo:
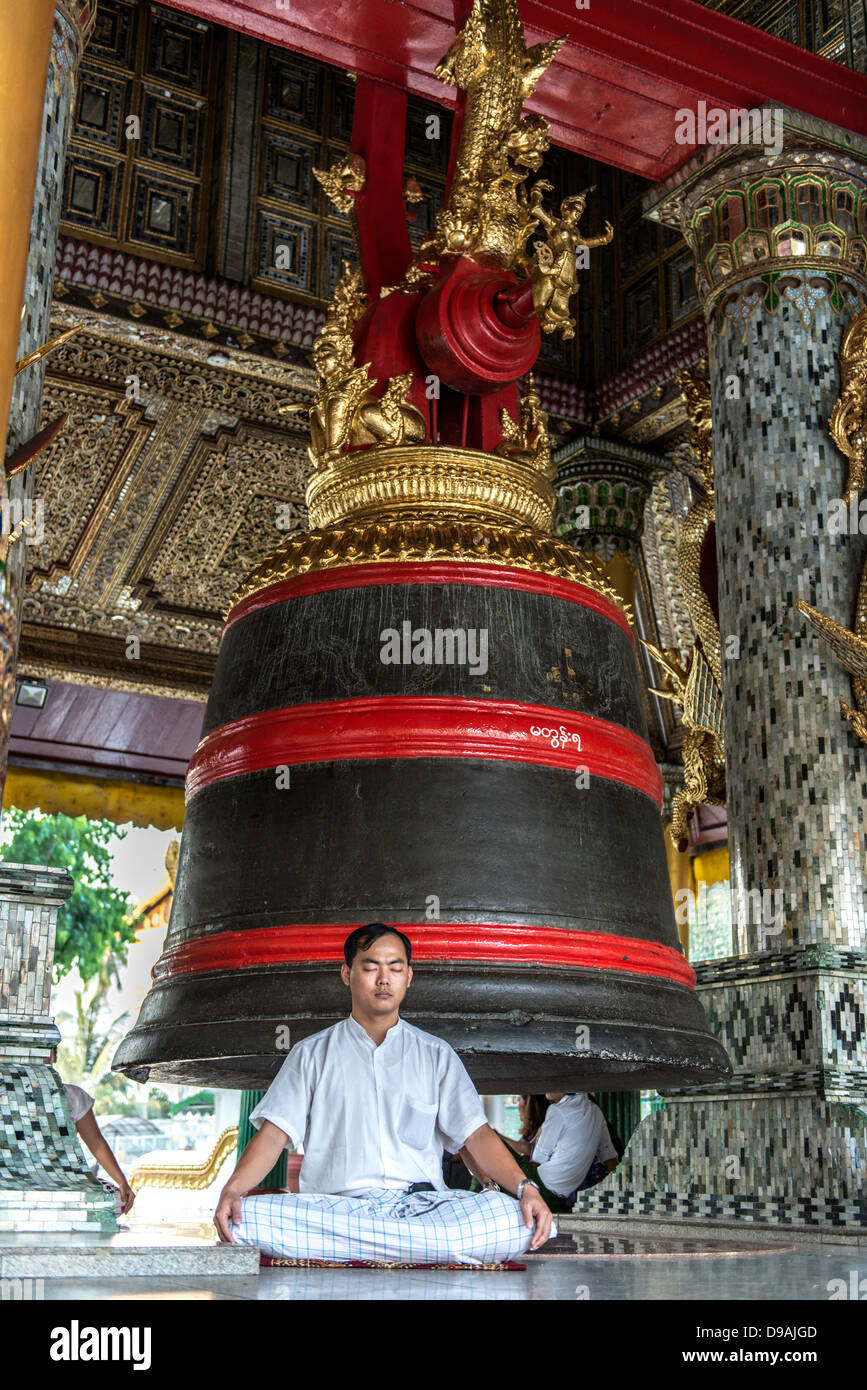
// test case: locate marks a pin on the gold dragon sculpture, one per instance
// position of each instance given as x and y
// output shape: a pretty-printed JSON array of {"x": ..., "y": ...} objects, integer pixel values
[
  {"x": 848, "y": 428},
  {"x": 696, "y": 685},
  {"x": 488, "y": 214}
]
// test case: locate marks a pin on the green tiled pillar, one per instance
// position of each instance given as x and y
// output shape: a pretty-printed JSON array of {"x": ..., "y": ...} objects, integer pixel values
[{"x": 278, "y": 1176}]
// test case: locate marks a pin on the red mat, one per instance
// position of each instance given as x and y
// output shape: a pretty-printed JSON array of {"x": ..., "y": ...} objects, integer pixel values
[{"x": 277, "y": 1262}]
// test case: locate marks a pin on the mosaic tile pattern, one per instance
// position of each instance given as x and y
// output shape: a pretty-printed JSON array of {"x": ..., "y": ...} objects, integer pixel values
[
  {"x": 785, "y": 1160},
  {"x": 777, "y": 471},
  {"x": 813, "y": 1020},
  {"x": 45, "y": 1183}
]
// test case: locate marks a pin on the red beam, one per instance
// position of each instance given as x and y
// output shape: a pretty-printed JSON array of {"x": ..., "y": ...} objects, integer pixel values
[{"x": 612, "y": 92}]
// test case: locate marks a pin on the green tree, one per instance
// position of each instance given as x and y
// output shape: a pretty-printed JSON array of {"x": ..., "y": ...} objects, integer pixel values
[{"x": 97, "y": 919}]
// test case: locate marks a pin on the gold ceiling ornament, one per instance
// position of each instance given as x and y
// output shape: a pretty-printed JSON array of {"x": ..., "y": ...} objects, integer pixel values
[
  {"x": 346, "y": 412},
  {"x": 848, "y": 421},
  {"x": 556, "y": 261},
  {"x": 343, "y": 180},
  {"x": 527, "y": 441},
  {"x": 407, "y": 539},
  {"x": 850, "y": 649},
  {"x": 693, "y": 687},
  {"x": 431, "y": 482}
]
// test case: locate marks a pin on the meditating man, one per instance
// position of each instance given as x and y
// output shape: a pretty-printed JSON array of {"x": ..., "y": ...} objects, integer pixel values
[{"x": 374, "y": 1101}]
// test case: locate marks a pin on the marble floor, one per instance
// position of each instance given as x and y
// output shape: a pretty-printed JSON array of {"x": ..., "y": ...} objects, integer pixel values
[{"x": 573, "y": 1268}]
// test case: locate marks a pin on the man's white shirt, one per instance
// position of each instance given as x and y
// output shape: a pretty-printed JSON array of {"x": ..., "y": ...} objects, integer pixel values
[
  {"x": 371, "y": 1117},
  {"x": 573, "y": 1136}
]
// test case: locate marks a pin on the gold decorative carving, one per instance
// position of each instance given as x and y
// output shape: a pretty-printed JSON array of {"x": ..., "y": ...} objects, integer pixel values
[
  {"x": 696, "y": 684},
  {"x": 848, "y": 422},
  {"x": 555, "y": 263},
  {"x": 850, "y": 649},
  {"x": 38, "y": 353},
  {"x": 347, "y": 412},
  {"x": 527, "y": 441},
  {"x": 848, "y": 429},
  {"x": 408, "y": 539},
  {"x": 430, "y": 483},
  {"x": 194, "y": 1177},
  {"x": 700, "y": 518},
  {"x": 342, "y": 181},
  {"x": 694, "y": 688},
  {"x": 154, "y": 507}
]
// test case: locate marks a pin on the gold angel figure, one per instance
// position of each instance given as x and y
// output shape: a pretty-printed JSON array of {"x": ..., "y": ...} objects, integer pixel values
[{"x": 555, "y": 263}]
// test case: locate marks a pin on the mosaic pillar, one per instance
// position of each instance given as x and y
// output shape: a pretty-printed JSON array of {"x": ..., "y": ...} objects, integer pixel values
[
  {"x": 780, "y": 242},
  {"x": 73, "y": 21},
  {"x": 45, "y": 1183}
]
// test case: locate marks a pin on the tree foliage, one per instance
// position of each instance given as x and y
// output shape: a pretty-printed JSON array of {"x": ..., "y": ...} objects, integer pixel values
[{"x": 97, "y": 920}]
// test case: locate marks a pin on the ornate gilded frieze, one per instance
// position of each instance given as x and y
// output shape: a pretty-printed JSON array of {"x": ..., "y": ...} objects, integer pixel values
[{"x": 406, "y": 539}]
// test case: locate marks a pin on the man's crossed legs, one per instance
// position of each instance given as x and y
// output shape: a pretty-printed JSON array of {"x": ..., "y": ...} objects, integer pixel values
[{"x": 451, "y": 1227}]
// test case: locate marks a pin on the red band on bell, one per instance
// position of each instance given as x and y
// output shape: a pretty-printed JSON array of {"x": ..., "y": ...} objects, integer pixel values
[
  {"x": 425, "y": 726},
  {"x": 431, "y": 941},
  {"x": 433, "y": 572}
]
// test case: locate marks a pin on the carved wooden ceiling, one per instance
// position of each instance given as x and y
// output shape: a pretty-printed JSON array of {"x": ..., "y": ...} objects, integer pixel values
[{"x": 174, "y": 474}]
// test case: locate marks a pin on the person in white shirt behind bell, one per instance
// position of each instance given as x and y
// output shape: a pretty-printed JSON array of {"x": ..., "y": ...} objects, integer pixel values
[
  {"x": 374, "y": 1101},
  {"x": 574, "y": 1137}
]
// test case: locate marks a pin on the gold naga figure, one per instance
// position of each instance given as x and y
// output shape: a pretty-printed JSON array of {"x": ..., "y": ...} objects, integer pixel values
[
  {"x": 487, "y": 212},
  {"x": 848, "y": 422},
  {"x": 848, "y": 428},
  {"x": 697, "y": 684}
]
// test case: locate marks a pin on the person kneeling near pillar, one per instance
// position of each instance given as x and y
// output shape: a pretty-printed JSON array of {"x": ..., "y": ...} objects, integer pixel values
[{"x": 374, "y": 1101}]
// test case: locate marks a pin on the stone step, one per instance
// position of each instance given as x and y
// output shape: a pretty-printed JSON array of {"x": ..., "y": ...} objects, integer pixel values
[{"x": 138, "y": 1251}]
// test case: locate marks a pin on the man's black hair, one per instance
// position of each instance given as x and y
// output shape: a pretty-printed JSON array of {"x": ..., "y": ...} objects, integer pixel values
[{"x": 362, "y": 937}]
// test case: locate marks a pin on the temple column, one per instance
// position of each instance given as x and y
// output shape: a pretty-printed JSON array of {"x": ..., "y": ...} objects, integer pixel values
[
  {"x": 780, "y": 242},
  {"x": 45, "y": 1183},
  {"x": 602, "y": 488},
  {"x": 73, "y": 22}
]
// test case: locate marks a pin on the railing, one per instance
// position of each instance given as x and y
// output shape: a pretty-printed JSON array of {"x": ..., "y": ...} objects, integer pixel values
[{"x": 195, "y": 1177}]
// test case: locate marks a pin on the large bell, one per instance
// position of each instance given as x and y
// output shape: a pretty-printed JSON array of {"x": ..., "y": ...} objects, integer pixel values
[{"x": 453, "y": 745}]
